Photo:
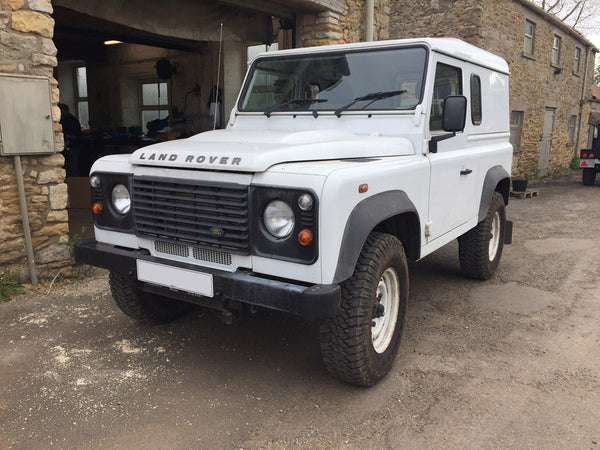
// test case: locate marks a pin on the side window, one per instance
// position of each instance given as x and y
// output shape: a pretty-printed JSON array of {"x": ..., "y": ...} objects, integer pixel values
[
  {"x": 448, "y": 81},
  {"x": 556, "y": 49},
  {"x": 529, "y": 40},
  {"x": 476, "y": 100}
]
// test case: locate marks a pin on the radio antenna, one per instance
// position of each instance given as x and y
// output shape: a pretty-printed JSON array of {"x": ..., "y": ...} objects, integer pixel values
[{"x": 217, "y": 109}]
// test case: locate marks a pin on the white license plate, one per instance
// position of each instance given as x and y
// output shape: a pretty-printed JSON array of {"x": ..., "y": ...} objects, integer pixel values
[{"x": 174, "y": 277}]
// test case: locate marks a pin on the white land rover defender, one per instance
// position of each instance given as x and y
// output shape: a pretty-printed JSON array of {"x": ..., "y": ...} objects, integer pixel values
[{"x": 337, "y": 164}]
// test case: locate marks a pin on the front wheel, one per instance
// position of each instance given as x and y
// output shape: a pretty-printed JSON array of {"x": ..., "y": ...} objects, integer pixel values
[
  {"x": 589, "y": 176},
  {"x": 359, "y": 344},
  {"x": 480, "y": 248}
]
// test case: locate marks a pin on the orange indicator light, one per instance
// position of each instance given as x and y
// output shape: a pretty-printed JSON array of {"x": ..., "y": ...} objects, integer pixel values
[
  {"x": 97, "y": 208},
  {"x": 363, "y": 188},
  {"x": 305, "y": 237}
]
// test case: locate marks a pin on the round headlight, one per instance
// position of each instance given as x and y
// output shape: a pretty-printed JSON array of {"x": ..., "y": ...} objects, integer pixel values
[
  {"x": 279, "y": 219},
  {"x": 305, "y": 202},
  {"x": 95, "y": 181},
  {"x": 121, "y": 199}
]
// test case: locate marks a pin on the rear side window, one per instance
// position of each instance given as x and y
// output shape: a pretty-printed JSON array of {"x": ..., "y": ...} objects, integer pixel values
[{"x": 475, "y": 99}]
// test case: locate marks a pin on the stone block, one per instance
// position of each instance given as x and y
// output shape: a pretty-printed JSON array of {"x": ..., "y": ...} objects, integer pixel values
[
  {"x": 41, "y": 5},
  {"x": 18, "y": 41},
  {"x": 4, "y": 19},
  {"x": 55, "y": 113},
  {"x": 55, "y": 159},
  {"x": 14, "y": 4},
  {"x": 53, "y": 253},
  {"x": 58, "y": 216},
  {"x": 39, "y": 198},
  {"x": 33, "y": 173},
  {"x": 9, "y": 256},
  {"x": 33, "y": 22},
  {"x": 51, "y": 176},
  {"x": 53, "y": 230},
  {"x": 8, "y": 68},
  {"x": 39, "y": 59},
  {"x": 58, "y": 196},
  {"x": 48, "y": 47}
]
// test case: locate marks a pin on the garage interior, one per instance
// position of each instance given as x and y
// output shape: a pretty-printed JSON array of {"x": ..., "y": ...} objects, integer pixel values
[{"x": 139, "y": 72}]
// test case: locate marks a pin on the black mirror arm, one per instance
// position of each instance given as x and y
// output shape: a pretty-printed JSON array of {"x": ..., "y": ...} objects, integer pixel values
[{"x": 433, "y": 143}]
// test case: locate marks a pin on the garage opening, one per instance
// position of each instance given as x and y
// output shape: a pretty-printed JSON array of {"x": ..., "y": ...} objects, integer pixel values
[{"x": 144, "y": 78}]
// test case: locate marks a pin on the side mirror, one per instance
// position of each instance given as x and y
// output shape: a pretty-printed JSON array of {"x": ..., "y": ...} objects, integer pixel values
[{"x": 454, "y": 113}]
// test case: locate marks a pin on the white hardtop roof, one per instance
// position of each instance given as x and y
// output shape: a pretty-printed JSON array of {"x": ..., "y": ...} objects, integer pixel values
[{"x": 448, "y": 46}]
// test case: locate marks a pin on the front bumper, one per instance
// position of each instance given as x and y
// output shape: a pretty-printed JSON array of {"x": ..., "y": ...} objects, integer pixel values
[{"x": 313, "y": 302}]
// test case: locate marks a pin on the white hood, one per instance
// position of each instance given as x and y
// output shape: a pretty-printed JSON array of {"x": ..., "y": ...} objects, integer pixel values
[{"x": 256, "y": 151}]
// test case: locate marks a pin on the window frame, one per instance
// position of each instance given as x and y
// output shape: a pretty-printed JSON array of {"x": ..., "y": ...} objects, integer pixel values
[
  {"x": 577, "y": 60},
  {"x": 80, "y": 100},
  {"x": 476, "y": 100},
  {"x": 158, "y": 107},
  {"x": 529, "y": 38},
  {"x": 517, "y": 141},
  {"x": 556, "y": 49}
]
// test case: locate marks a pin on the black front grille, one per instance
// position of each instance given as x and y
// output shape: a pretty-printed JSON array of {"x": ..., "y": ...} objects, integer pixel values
[{"x": 198, "y": 214}]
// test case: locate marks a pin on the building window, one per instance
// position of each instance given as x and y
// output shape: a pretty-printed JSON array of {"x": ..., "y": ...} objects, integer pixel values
[
  {"x": 476, "y": 100},
  {"x": 571, "y": 132},
  {"x": 556, "y": 49},
  {"x": 577, "y": 60},
  {"x": 516, "y": 129},
  {"x": 529, "y": 37},
  {"x": 83, "y": 112},
  {"x": 448, "y": 81},
  {"x": 155, "y": 102}
]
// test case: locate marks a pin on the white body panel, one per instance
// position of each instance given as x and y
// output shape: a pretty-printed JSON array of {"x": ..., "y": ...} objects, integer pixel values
[{"x": 298, "y": 150}]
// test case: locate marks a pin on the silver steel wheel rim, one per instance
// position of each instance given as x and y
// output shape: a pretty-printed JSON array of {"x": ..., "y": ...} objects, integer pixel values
[
  {"x": 388, "y": 293},
  {"x": 495, "y": 237}
]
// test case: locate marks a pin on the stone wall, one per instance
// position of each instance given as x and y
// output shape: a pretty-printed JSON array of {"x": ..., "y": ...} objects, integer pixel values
[
  {"x": 26, "y": 47},
  {"x": 329, "y": 28}
]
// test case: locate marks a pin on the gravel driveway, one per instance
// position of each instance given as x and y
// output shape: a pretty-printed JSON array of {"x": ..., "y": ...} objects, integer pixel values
[{"x": 511, "y": 362}]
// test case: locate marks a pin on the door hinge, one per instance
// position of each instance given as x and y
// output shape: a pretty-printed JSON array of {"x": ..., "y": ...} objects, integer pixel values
[{"x": 427, "y": 229}]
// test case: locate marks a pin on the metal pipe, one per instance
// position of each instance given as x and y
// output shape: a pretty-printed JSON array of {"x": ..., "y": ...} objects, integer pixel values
[
  {"x": 370, "y": 20},
  {"x": 582, "y": 101},
  {"x": 25, "y": 220}
]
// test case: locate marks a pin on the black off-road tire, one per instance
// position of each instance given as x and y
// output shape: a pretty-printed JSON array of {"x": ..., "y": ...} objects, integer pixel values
[
  {"x": 589, "y": 176},
  {"x": 346, "y": 339},
  {"x": 146, "y": 308},
  {"x": 474, "y": 245}
]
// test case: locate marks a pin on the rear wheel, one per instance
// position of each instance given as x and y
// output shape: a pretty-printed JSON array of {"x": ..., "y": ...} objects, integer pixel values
[
  {"x": 144, "y": 307},
  {"x": 359, "y": 344},
  {"x": 589, "y": 176},
  {"x": 480, "y": 248}
]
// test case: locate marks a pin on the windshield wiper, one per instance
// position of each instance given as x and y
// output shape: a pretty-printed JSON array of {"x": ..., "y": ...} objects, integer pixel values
[
  {"x": 294, "y": 101},
  {"x": 373, "y": 96}
]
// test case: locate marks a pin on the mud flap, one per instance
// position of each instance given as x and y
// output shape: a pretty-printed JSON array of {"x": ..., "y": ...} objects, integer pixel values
[{"x": 508, "y": 232}]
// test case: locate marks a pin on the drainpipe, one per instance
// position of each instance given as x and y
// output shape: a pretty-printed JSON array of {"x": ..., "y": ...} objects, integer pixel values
[
  {"x": 25, "y": 220},
  {"x": 370, "y": 20},
  {"x": 582, "y": 101}
]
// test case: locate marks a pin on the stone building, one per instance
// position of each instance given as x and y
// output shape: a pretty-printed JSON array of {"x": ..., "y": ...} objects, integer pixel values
[
  {"x": 551, "y": 70},
  {"x": 106, "y": 86}
]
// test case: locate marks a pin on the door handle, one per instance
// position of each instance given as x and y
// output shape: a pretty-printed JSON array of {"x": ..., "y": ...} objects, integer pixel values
[{"x": 466, "y": 172}]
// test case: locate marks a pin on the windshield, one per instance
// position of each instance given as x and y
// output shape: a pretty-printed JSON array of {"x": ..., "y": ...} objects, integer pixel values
[{"x": 337, "y": 81}]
